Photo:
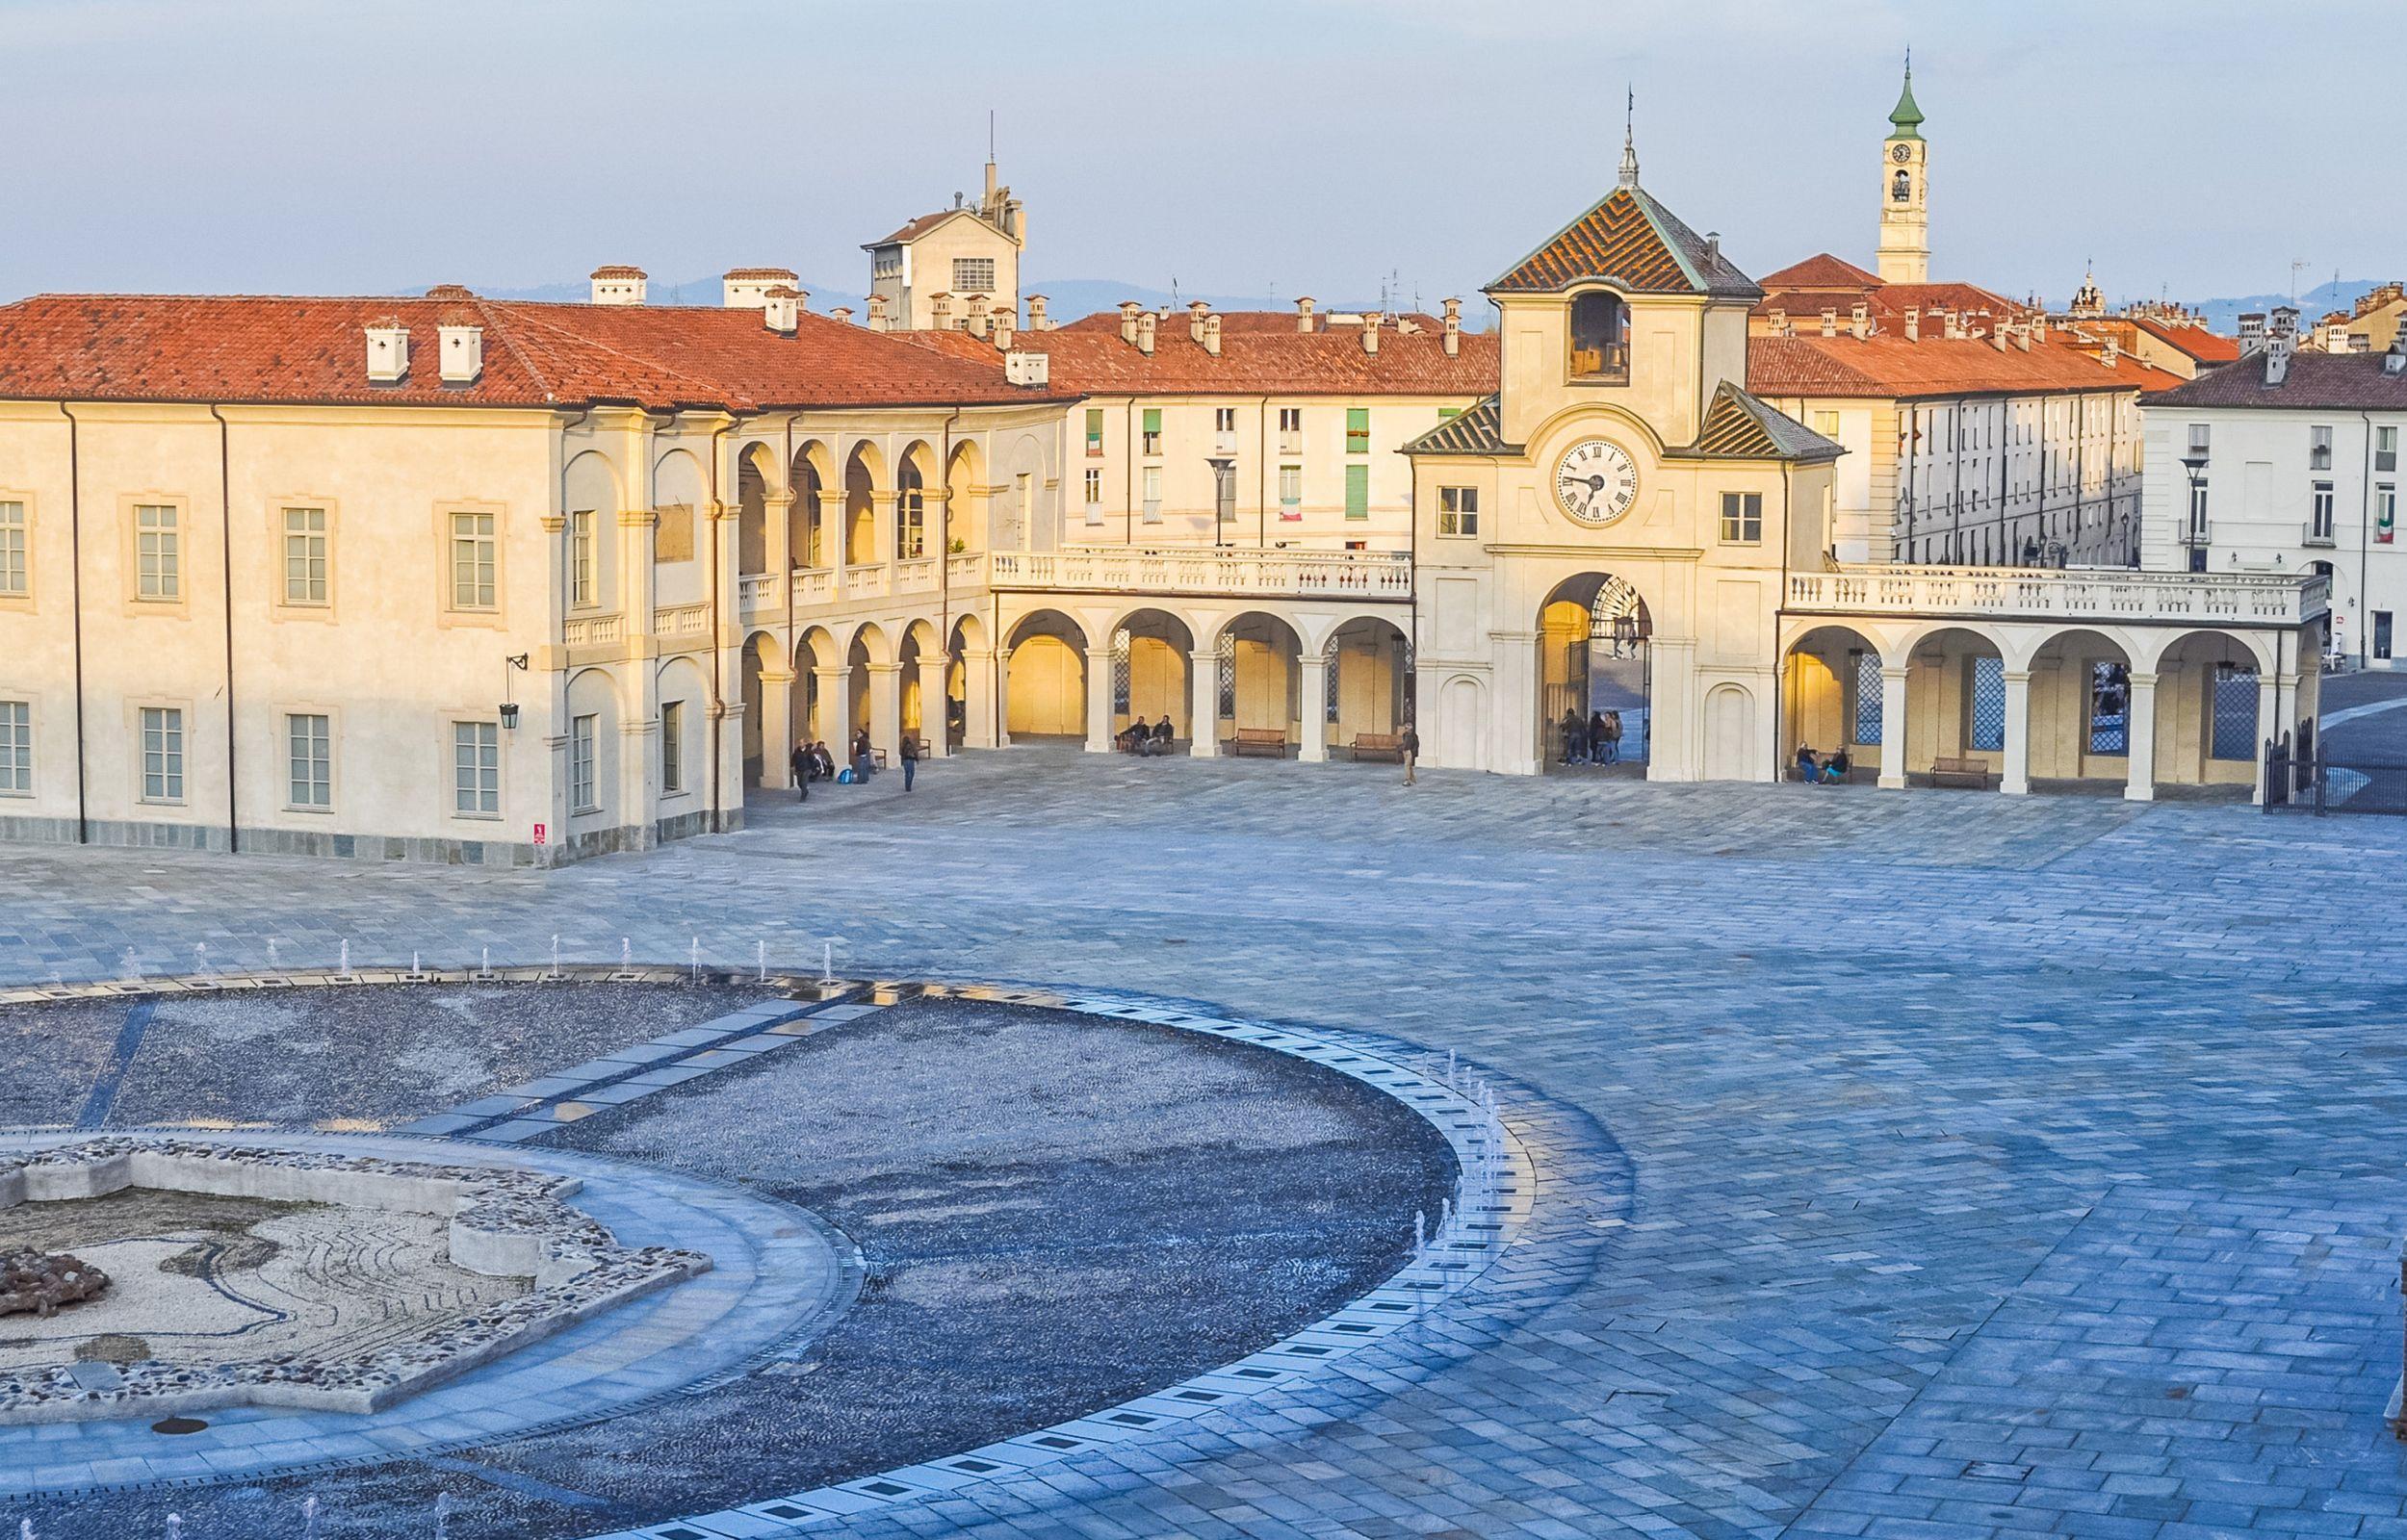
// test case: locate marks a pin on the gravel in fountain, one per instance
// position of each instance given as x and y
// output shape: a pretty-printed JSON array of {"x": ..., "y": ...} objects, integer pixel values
[{"x": 1057, "y": 1213}]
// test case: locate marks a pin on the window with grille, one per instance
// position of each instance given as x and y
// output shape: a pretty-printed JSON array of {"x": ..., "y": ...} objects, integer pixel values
[
  {"x": 158, "y": 553},
  {"x": 475, "y": 558},
  {"x": 1358, "y": 491},
  {"x": 477, "y": 768},
  {"x": 1457, "y": 510},
  {"x": 1984, "y": 705},
  {"x": 1742, "y": 518},
  {"x": 672, "y": 745},
  {"x": 16, "y": 571},
  {"x": 309, "y": 761},
  {"x": 582, "y": 558},
  {"x": 1866, "y": 714},
  {"x": 162, "y": 754},
  {"x": 584, "y": 785},
  {"x": 2233, "y": 734},
  {"x": 974, "y": 276},
  {"x": 17, "y": 748},
  {"x": 1357, "y": 430},
  {"x": 304, "y": 555},
  {"x": 2109, "y": 709}
]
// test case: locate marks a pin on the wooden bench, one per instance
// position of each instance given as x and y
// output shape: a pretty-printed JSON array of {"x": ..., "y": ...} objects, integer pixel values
[
  {"x": 1388, "y": 746},
  {"x": 1960, "y": 772},
  {"x": 1272, "y": 741}
]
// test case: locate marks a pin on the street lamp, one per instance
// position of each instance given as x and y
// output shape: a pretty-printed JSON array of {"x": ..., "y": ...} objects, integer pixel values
[
  {"x": 2193, "y": 528},
  {"x": 510, "y": 707}
]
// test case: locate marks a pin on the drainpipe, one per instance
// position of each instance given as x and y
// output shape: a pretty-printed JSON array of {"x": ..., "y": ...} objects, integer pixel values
[
  {"x": 226, "y": 563},
  {"x": 75, "y": 606}
]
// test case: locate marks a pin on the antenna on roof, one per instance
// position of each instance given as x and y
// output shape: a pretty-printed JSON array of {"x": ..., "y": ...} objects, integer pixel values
[
  {"x": 1629, "y": 138},
  {"x": 990, "y": 132}
]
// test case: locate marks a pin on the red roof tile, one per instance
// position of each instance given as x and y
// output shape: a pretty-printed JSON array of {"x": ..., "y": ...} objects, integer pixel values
[
  {"x": 1636, "y": 242},
  {"x": 1887, "y": 365},
  {"x": 2206, "y": 346},
  {"x": 1822, "y": 270},
  {"x": 1095, "y": 361}
]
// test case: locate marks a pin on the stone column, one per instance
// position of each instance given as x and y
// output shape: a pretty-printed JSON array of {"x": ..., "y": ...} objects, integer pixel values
[
  {"x": 778, "y": 507},
  {"x": 1312, "y": 707},
  {"x": 831, "y": 550},
  {"x": 834, "y": 726},
  {"x": 2016, "y": 779},
  {"x": 977, "y": 699},
  {"x": 1203, "y": 705},
  {"x": 882, "y": 524},
  {"x": 2268, "y": 726},
  {"x": 639, "y": 688},
  {"x": 1098, "y": 699},
  {"x": 777, "y": 727},
  {"x": 1893, "y": 677},
  {"x": 935, "y": 734},
  {"x": 886, "y": 711},
  {"x": 2140, "y": 725}
]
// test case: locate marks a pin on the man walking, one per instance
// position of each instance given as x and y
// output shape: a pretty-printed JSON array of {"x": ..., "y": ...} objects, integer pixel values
[
  {"x": 1408, "y": 742},
  {"x": 911, "y": 758},
  {"x": 802, "y": 767}
]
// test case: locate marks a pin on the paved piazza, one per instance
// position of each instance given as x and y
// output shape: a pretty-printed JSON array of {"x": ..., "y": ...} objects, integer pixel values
[{"x": 1913, "y": 1165}]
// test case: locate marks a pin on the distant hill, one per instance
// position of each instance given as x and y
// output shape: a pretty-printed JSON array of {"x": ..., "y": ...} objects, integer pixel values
[{"x": 2223, "y": 315}]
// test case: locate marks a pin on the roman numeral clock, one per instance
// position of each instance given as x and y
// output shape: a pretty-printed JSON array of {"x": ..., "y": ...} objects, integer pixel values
[{"x": 1596, "y": 481}]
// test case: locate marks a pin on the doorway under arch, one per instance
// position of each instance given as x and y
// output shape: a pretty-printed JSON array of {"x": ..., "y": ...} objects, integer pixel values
[
  {"x": 1594, "y": 661},
  {"x": 1045, "y": 692}
]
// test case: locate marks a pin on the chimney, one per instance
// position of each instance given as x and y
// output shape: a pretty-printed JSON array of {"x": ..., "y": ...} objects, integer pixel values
[
  {"x": 1303, "y": 313},
  {"x": 1454, "y": 328},
  {"x": 2021, "y": 336},
  {"x": 781, "y": 308},
  {"x": 1005, "y": 323},
  {"x": 618, "y": 286},
  {"x": 1952, "y": 322},
  {"x": 1829, "y": 321},
  {"x": 1370, "y": 335},
  {"x": 1997, "y": 335},
  {"x": 1195, "y": 312},
  {"x": 843, "y": 314},
  {"x": 2039, "y": 328},
  {"x": 2393, "y": 360},
  {"x": 388, "y": 350},
  {"x": 1860, "y": 320},
  {"x": 2109, "y": 352},
  {"x": 1913, "y": 324},
  {"x": 2281, "y": 339},
  {"x": 1146, "y": 323},
  {"x": 940, "y": 312},
  {"x": 1037, "y": 319},
  {"x": 877, "y": 312},
  {"x": 1713, "y": 245},
  {"x": 1021, "y": 368},
  {"x": 2251, "y": 326},
  {"x": 746, "y": 288},
  {"x": 1211, "y": 335},
  {"x": 1128, "y": 311},
  {"x": 462, "y": 347},
  {"x": 977, "y": 314}
]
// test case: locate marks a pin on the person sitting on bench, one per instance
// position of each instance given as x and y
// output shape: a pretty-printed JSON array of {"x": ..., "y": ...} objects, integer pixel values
[
  {"x": 1834, "y": 769},
  {"x": 1162, "y": 731},
  {"x": 1808, "y": 764}
]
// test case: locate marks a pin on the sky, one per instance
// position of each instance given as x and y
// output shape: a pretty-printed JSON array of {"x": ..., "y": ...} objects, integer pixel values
[{"x": 2190, "y": 147}]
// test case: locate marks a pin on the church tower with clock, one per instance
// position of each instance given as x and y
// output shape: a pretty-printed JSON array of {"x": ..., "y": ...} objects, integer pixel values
[{"x": 1904, "y": 251}]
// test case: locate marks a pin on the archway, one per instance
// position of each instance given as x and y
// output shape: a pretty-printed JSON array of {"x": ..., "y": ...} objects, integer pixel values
[
  {"x": 1731, "y": 735},
  {"x": 970, "y": 698},
  {"x": 1260, "y": 661},
  {"x": 870, "y": 647},
  {"x": 964, "y": 506},
  {"x": 1152, "y": 673},
  {"x": 1956, "y": 710},
  {"x": 589, "y": 492},
  {"x": 1595, "y": 662},
  {"x": 1370, "y": 680},
  {"x": 919, "y": 713},
  {"x": 912, "y": 476},
  {"x": 1046, "y": 696},
  {"x": 751, "y": 511},
  {"x": 816, "y": 716},
  {"x": 1832, "y": 700},
  {"x": 760, "y": 654},
  {"x": 2212, "y": 712},
  {"x": 2080, "y": 709},
  {"x": 861, "y": 479},
  {"x": 806, "y": 534}
]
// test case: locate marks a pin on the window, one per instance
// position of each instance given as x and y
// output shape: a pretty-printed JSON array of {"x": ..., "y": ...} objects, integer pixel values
[
  {"x": 1742, "y": 518},
  {"x": 2381, "y": 653},
  {"x": 1457, "y": 510},
  {"x": 1153, "y": 430},
  {"x": 2320, "y": 514},
  {"x": 974, "y": 276},
  {"x": 477, "y": 768},
  {"x": 1865, "y": 679},
  {"x": 1291, "y": 430},
  {"x": 15, "y": 576},
  {"x": 1224, "y": 429},
  {"x": 2386, "y": 448},
  {"x": 1984, "y": 705},
  {"x": 473, "y": 557},
  {"x": 584, "y": 575},
  {"x": 1291, "y": 492},
  {"x": 1224, "y": 491},
  {"x": 1448, "y": 413},
  {"x": 304, "y": 555},
  {"x": 2109, "y": 709},
  {"x": 2198, "y": 511},
  {"x": 1600, "y": 338},
  {"x": 162, "y": 754},
  {"x": 583, "y": 786},
  {"x": 158, "y": 553},
  {"x": 1357, "y": 430},
  {"x": 1153, "y": 494},
  {"x": 1095, "y": 432},
  {"x": 1826, "y": 424},
  {"x": 1358, "y": 491},
  {"x": 2385, "y": 512},
  {"x": 309, "y": 761},
  {"x": 2319, "y": 448},
  {"x": 17, "y": 748},
  {"x": 1093, "y": 496},
  {"x": 2233, "y": 734},
  {"x": 672, "y": 745},
  {"x": 911, "y": 517}
]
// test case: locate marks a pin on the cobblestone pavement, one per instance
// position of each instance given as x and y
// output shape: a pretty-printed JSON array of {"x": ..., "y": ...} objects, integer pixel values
[{"x": 2000, "y": 1166}]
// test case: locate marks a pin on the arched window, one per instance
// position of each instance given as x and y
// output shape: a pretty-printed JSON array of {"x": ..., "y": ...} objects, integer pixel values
[
  {"x": 911, "y": 516},
  {"x": 1901, "y": 188},
  {"x": 1600, "y": 337}
]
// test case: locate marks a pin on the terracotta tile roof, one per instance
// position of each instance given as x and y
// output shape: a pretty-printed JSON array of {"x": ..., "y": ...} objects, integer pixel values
[
  {"x": 1240, "y": 320},
  {"x": 1820, "y": 271},
  {"x": 916, "y": 228},
  {"x": 2206, "y": 346},
  {"x": 1095, "y": 361},
  {"x": 1738, "y": 427},
  {"x": 2316, "y": 382},
  {"x": 1887, "y": 365},
  {"x": 1636, "y": 242},
  {"x": 1475, "y": 430},
  {"x": 227, "y": 348},
  {"x": 1888, "y": 303}
]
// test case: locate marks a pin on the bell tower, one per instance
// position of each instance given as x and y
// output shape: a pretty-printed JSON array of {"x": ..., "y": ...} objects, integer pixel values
[{"x": 1905, "y": 251}]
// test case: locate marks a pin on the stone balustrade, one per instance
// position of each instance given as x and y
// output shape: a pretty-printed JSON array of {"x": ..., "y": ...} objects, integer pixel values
[{"x": 2042, "y": 592}]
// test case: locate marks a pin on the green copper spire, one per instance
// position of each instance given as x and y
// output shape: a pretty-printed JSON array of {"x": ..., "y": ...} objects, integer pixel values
[{"x": 1907, "y": 116}]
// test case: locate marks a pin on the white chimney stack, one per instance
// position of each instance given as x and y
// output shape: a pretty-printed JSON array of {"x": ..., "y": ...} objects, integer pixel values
[
  {"x": 1454, "y": 328},
  {"x": 977, "y": 306},
  {"x": 1913, "y": 324},
  {"x": 388, "y": 350},
  {"x": 748, "y": 288},
  {"x": 1145, "y": 322},
  {"x": 1037, "y": 321},
  {"x": 1211, "y": 335},
  {"x": 1370, "y": 335},
  {"x": 940, "y": 312},
  {"x": 1005, "y": 323},
  {"x": 619, "y": 286},
  {"x": 1860, "y": 320},
  {"x": 462, "y": 347},
  {"x": 1195, "y": 312},
  {"x": 878, "y": 312},
  {"x": 781, "y": 308},
  {"x": 1829, "y": 321},
  {"x": 1303, "y": 313},
  {"x": 842, "y": 315},
  {"x": 1129, "y": 309}
]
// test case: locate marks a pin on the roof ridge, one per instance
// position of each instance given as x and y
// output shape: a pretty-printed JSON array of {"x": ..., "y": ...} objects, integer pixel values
[
  {"x": 710, "y": 388},
  {"x": 543, "y": 381}
]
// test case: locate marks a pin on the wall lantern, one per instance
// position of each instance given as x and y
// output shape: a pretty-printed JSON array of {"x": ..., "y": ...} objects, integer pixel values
[{"x": 510, "y": 707}]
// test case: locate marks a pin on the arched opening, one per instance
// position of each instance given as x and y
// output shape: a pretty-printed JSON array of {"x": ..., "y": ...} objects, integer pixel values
[
  {"x": 919, "y": 716},
  {"x": 1595, "y": 676},
  {"x": 678, "y": 530},
  {"x": 589, "y": 492},
  {"x": 807, "y": 536},
  {"x": 961, "y": 687},
  {"x": 1259, "y": 659},
  {"x": 965, "y": 506},
  {"x": 815, "y": 719},
  {"x": 1731, "y": 735},
  {"x": 680, "y": 758},
  {"x": 1600, "y": 337},
  {"x": 868, "y": 646},
  {"x": 1046, "y": 696},
  {"x": 1370, "y": 681},
  {"x": 751, "y": 511},
  {"x": 1462, "y": 725},
  {"x": 2080, "y": 709},
  {"x": 592, "y": 751},
  {"x": 759, "y": 653},
  {"x": 1955, "y": 691},
  {"x": 1151, "y": 674},
  {"x": 2212, "y": 714},
  {"x": 911, "y": 502},
  {"x": 1831, "y": 707},
  {"x": 861, "y": 473}
]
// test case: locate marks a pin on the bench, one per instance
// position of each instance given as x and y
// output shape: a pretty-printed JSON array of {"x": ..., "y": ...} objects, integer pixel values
[
  {"x": 1388, "y": 746},
  {"x": 1947, "y": 771},
  {"x": 1272, "y": 741}
]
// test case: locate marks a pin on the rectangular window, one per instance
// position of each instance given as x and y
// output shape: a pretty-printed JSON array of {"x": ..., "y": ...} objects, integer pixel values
[
  {"x": 585, "y": 786},
  {"x": 1095, "y": 432},
  {"x": 1357, "y": 430},
  {"x": 2386, "y": 448},
  {"x": 162, "y": 754},
  {"x": 1868, "y": 687},
  {"x": 2198, "y": 438},
  {"x": 2319, "y": 448},
  {"x": 2198, "y": 512},
  {"x": 17, "y": 748},
  {"x": 474, "y": 554},
  {"x": 2109, "y": 709},
  {"x": 1291, "y": 430},
  {"x": 1984, "y": 705},
  {"x": 2381, "y": 642},
  {"x": 1457, "y": 510},
  {"x": 672, "y": 745},
  {"x": 1153, "y": 430},
  {"x": 477, "y": 768},
  {"x": 16, "y": 573},
  {"x": 2320, "y": 514},
  {"x": 304, "y": 555},
  {"x": 974, "y": 276},
  {"x": 1826, "y": 424},
  {"x": 1153, "y": 494},
  {"x": 309, "y": 761},
  {"x": 158, "y": 553},
  {"x": 2385, "y": 512},
  {"x": 1093, "y": 496},
  {"x": 582, "y": 573},
  {"x": 1358, "y": 491},
  {"x": 1224, "y": 491},
  {"x": 1742, "y": 518},
  {"x": 1224, "y": 429},
  {"x": 1291, "y": 492},
  {"x": 2233, "y": 732}
]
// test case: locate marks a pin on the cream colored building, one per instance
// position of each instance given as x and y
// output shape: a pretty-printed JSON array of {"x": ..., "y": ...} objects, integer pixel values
[{"x": 951, "y": 265}]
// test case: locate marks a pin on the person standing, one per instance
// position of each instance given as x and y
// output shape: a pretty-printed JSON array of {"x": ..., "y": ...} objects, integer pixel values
[
  {"x": 862, "y": 764},
  {"x": 911, "y": 758},
  {"x": 800, "y": 764},
  {"x": 1613, "y": 737},
  {"x": 1574, "y": 737},
  {"x": 1408, "y": 743}
]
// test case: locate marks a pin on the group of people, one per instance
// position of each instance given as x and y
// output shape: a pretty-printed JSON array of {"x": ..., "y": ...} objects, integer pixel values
[
  {"x": 811, "y": 762},
  {"x": 1594, "y": 741},
  {"x": 1825, "y": 769},
  {"x": 1146, "y": 742}
]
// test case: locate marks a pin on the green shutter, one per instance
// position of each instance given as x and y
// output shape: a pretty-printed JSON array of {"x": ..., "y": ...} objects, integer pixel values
[
  {"x": 1153, "y": 420},
  {"x": 1358, "y": 491},
  {"x": 1357, "y": 430},
  {"x": 1445, "y": 412}
]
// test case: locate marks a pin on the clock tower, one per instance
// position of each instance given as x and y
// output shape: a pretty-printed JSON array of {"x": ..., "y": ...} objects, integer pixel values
[{"x": 1904, "y": 251}]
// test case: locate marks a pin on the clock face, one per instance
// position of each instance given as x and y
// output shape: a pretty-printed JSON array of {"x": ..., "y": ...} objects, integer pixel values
[
  {"x": 1596, "y": 481},
  {"x": 1901, "y": 154}
]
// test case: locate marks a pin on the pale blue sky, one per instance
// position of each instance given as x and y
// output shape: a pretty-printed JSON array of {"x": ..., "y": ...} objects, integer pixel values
[{"x": 362, "y": 146}]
